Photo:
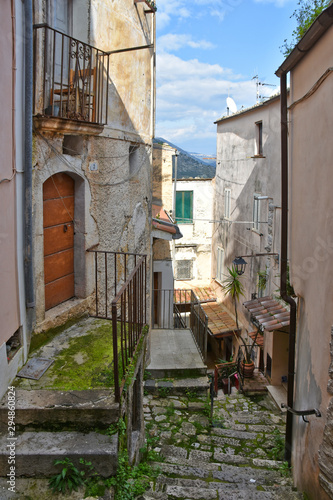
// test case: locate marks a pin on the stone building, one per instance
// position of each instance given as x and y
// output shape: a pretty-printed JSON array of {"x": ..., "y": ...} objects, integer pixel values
[
  {"x": 306, "y": 129},
  {"x": 93, "y": 128},
  {"x": 247, "y": 213}
]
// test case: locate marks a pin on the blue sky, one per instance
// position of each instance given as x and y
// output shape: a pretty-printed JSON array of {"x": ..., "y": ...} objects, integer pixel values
[{"x": 207, "y": 49}]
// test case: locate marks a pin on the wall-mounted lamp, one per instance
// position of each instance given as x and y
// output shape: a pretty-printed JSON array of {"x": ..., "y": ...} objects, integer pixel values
[{"x": 240, "y": 264}]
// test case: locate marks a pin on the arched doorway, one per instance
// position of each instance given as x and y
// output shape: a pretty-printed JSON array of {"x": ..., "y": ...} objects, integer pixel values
[{"x": 58, "y": 224}]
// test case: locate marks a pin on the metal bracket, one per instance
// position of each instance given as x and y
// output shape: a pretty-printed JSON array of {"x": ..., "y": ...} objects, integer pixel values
[{"x": 302, "y": 413}]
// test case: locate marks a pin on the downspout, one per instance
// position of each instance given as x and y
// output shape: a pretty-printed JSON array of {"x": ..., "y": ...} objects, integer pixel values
[
  {"x": 284, "y": 263},
  {"x": 28, "y": 263}
]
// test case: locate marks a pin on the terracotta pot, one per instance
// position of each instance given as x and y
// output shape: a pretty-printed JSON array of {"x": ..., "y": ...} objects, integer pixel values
[{"x": 248, "y": 369}]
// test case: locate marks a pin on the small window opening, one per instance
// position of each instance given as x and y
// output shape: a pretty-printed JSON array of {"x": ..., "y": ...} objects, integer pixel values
[
  {"x": 72, "y": 145},
  {"x": 259, "y": 144},
  {"x": 13, "y": 344},
  {"x": 133, "y": 158}
]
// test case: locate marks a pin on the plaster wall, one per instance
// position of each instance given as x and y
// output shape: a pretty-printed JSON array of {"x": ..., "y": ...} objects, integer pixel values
[
  {"x": 9, "y": 302},
  {"x": 162, "y": 175},
  {"x": 245, "y": 174},
  {"x": 311, "y": 229},
  {"x": 120, "y": 24},
  {"x": 196, "y": 242},
  {"x": 12, "y": 291}
]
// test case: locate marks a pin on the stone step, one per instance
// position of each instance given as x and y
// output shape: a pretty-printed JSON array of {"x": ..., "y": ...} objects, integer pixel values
[
  {"x": 197, "y": 386},
  {"x": 58, "y": 410},
  {"x": 167, "y": 487},
  {"x": 171, "y": 372},
  {"x": 240, "y": 476},
  {"x": 35, "y": 452},
  {"x": 212, "y": 459}
]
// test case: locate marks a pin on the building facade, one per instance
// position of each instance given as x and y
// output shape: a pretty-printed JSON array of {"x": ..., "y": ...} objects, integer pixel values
[
  {"x": 247, "y": 210},
  {"x": 307, "y": 129},
  {"x": 14, "y": 332},
  {"x": 92, "y": 149}
]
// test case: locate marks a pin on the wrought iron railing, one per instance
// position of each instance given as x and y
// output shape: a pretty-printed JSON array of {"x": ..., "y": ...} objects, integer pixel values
[
  {"x": 179, "y": 309},
  {"x": 121, "y": 296},
  {"x": 70, "y": 77}
]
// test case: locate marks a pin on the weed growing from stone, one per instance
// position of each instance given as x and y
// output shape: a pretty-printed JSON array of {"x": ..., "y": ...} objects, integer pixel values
[
  {"x": 163, "y": 392},
  {"x": 68, "y": 479},
  {"x": 276, "y": 452}
]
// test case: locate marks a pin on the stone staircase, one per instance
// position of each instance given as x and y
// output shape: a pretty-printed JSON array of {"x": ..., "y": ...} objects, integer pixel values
[
  {"x": 55, "y": 424},
  {"x": 234, "y": 458}
]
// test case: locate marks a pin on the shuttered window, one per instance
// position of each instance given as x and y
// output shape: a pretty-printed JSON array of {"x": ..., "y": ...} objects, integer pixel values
[
  {"x": 184, "y": 207},
  {"x": 220, "y": 264}
]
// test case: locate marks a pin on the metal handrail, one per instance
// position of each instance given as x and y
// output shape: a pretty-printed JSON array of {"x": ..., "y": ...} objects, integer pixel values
[{"x": 302, "y": 413}]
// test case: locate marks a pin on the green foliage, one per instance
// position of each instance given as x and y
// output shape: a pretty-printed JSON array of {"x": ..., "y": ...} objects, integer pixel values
[
  {"x": 191, "y": 394},
  {"x": 147, "y": 375},
  {"x": 277, "y": 452},
  {"x": 262, "y": 280},
  {"x": 69, "y": 478},
  {"x": 170, "y": 410},
  {"x": 163, "y": 392},
  {"x": 305, "y": 15},
  {"x": 232, "y": 285},
  {"x": 129, "y": 481},
  {"x": 119, "y": 427},
  {"x": 285, "y": 469}
]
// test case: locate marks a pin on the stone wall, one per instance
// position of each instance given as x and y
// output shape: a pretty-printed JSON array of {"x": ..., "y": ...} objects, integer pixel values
[{"x": 326, "y": 449}]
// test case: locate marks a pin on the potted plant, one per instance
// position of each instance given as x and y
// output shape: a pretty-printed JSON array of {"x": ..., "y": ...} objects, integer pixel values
[{"x": 233, "y": 287}]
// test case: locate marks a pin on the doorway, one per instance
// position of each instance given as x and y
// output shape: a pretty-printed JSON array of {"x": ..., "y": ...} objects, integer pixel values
[{"x": 58, "y": 229}]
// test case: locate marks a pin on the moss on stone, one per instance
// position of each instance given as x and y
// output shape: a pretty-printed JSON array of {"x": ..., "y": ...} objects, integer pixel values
[
  {"x": 87, "y": 363},
  {"x": 38, "y": 340}
]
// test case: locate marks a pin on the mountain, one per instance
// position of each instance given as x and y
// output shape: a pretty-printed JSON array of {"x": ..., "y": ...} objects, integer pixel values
[{"x": 191, "y": 165}]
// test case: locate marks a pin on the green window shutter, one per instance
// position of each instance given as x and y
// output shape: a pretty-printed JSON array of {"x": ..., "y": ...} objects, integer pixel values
[{"x": 184, "y": 206}]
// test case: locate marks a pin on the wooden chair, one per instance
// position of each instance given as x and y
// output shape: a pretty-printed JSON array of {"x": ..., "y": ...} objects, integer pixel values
[{"x": 77, "y": 98}]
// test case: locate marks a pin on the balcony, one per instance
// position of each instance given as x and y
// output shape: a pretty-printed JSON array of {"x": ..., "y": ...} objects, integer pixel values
[{"x": 71, "y": 83}]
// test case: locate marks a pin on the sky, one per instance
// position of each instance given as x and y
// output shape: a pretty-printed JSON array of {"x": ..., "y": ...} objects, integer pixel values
[{"x": 208, "y": 50}]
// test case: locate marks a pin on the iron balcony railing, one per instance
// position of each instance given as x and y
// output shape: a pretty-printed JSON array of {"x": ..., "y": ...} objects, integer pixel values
[
  {"x": 121, "y": 285},
  {"x": 173, "y": 309},
  {"x": 70, "y": 77}
]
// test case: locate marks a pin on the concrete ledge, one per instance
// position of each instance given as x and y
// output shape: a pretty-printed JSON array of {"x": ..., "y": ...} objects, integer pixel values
[
  {"x": 57, "y": 316},
  {"x": 178, "y": 387},
  {"x": 47, "y": 409},
  {"x": 35, "y": 452},
  {"x": 278, "y": 395}
]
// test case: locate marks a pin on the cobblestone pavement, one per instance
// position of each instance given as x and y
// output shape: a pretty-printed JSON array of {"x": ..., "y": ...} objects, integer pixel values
[{"x": 234, "y": 456}]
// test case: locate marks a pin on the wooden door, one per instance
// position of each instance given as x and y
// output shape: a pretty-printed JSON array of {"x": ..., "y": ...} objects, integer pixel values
[{"x": 58, "y": 212}]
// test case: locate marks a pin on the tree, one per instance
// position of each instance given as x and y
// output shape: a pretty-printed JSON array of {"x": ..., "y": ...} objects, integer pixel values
[
  {"x": 305, "y": 14},
  {"x": 233, "y": 287}
]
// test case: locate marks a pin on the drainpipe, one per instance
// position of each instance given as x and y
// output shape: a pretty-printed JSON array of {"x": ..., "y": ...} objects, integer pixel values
[
  {"x": 28, "y": 264},
  {"x": 284, "y": 263}
]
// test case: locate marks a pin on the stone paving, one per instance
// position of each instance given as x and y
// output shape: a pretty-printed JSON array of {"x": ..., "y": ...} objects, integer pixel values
[{"x": 234, "y": 455}]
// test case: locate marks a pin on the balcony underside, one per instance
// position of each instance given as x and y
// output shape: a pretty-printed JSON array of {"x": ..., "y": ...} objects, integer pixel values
[{"x": 65, "y": 126}]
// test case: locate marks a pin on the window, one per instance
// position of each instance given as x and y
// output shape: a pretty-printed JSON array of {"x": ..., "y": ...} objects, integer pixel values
[
  {"x": 259, "y": 148},
  {"x": 133, "y": 159},
  {"x": 184, "y": 207},
  {"x": 184, "y": 269},
  {"x": 256, "y": 212},
  {"x": 219, "y": 264},
  {"x": 227, "y": 203}
]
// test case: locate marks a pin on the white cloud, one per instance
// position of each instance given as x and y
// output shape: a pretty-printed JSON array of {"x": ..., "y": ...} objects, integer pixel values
[
  {"x": 171, "y": 42},
  {"x": 191, "y": 95},
  {"x": 171, "y": 67}
]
